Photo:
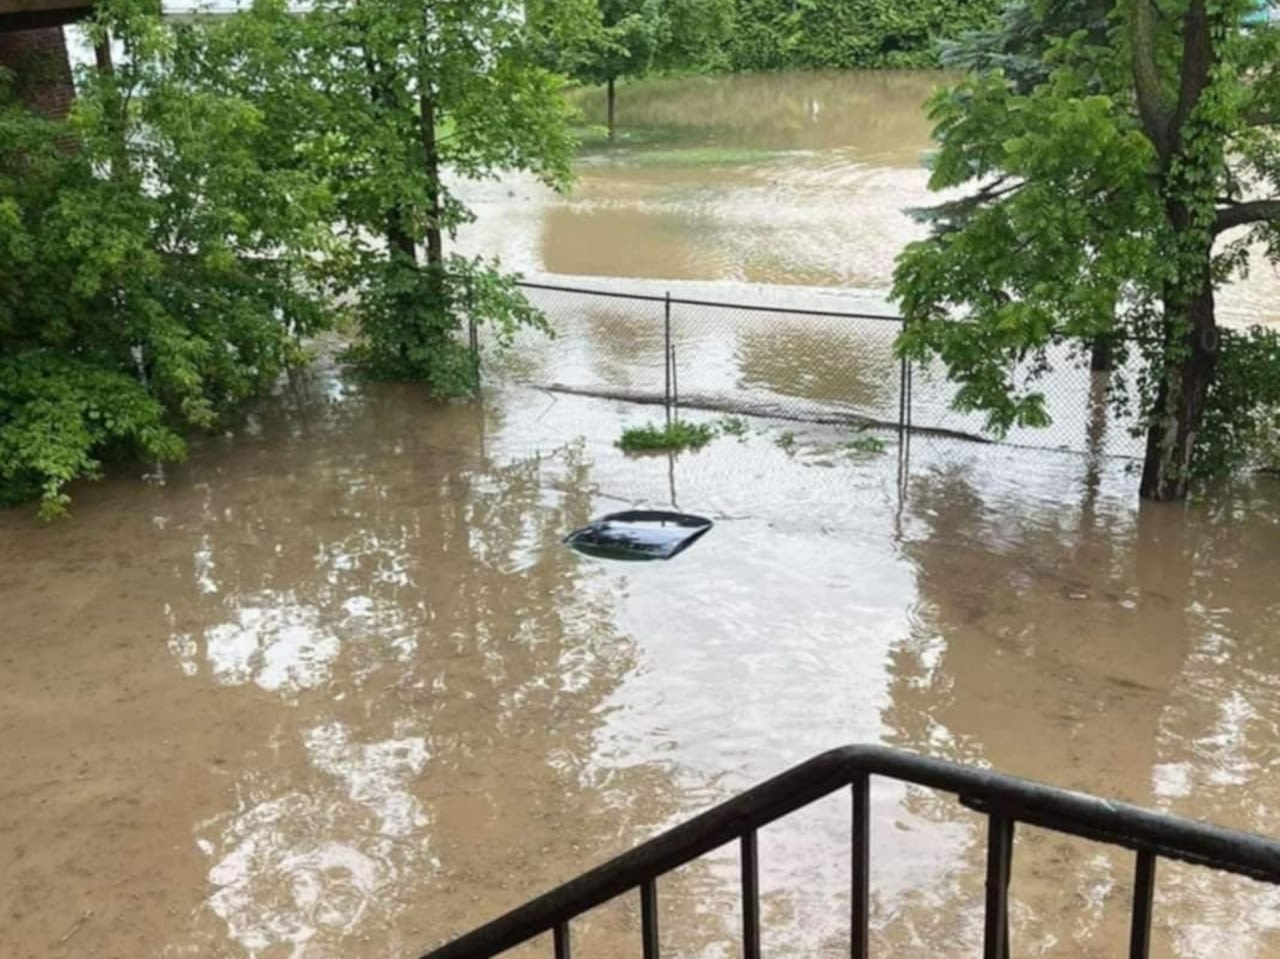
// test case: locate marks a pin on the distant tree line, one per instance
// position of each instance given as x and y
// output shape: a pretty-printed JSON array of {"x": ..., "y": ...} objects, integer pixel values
[{"x": 841, "y": 34}]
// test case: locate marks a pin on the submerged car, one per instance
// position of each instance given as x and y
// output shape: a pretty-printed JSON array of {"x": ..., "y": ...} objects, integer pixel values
[{"x": 639, "y": 535}]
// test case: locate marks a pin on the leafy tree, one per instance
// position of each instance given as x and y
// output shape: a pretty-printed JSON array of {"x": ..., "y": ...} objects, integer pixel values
[
  {"x": 1018, "y": 46},
  {"x": 147, "y": 250},
  {"x": 1018, "y": 42},
  {"x": 215, "y": 195},
  {"x": 393, "y": 100},
  {"x": 1097, "y": 199},
  {"x": 611, "y": 39}
]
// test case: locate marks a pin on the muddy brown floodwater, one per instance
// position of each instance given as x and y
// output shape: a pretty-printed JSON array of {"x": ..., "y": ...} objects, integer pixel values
[
  {"x": 786, "y": 178},
  {"x": 336, "y": 688}
]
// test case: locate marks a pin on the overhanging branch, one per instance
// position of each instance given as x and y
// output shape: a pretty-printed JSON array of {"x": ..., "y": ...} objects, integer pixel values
[
  {"x": 1242, "y": 214},
  {"x": 947, "y": 216}
]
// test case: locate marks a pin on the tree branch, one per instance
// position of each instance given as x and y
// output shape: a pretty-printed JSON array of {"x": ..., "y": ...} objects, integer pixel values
[
  {"x": 1197, "y": 60},
  {"x": 1155, "y": 103},
  {"x": 1262, "y": 118},
  {"x": 946, "y": 217},
  {"x": 1242, "y": 214}
]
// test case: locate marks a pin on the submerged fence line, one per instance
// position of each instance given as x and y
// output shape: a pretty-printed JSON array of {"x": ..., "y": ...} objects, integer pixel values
[
  {"x": 799, "y": 363},
  {"x": 685, "y": 301}
]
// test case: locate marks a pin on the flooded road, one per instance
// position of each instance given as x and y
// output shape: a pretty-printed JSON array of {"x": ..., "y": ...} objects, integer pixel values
[
  {"x": 790, "y": 178},
  {"x": 338, "y": 689}
]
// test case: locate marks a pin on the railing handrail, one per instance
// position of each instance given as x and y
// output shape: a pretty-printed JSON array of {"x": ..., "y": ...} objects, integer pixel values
[{"x": 1009, "y": 797}]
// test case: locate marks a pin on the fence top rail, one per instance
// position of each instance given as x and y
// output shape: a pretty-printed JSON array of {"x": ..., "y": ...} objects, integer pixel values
[
  {"x": 723, "y": 304},
  {"x": 988, "y": 791}
]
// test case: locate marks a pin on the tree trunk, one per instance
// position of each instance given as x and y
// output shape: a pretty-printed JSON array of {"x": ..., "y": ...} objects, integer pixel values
[
  {"x": 431, "y": 160},
  {"x": 1101, "y": 357},
  {"x": 1180, "y": 398},
  {"x": 1189, "y": 352},
  {"x": 610, "y": 98},
  {"x": 399, "y": 239},
  {"x": 400, "y": 242},
  {"x": 1095, "y": 446},
  {"x": 435, "y": 233},
  {"x": 117, "y": 122}
]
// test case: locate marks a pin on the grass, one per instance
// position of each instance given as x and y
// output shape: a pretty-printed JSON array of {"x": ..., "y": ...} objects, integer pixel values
[
  {"x": 595, "y": 137},
  {"x": 683, "y": 435},
  {"x": 866, "y": 444},
  {"x": 677, "y": 435},
  {"x": 706, "y": 156}
]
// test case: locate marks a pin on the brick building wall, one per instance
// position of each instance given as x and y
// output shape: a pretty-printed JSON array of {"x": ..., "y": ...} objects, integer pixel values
[{"x": 41, "y": 68}]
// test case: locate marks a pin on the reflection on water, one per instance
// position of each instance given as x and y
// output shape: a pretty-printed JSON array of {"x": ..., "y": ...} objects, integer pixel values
[
  {"x": 875, "y": 114},
  {"x": 849, "y": 364},
  {"x": 778, "y": 178},
  {"x": 1082, "y": 618},
  {"x": 297, "y": 868},
  {"x": 356, "y": 598},
  {"x": 339, "y": 689}
]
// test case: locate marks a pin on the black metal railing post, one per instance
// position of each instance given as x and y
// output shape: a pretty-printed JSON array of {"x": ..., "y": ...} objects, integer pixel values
[
  {"x": 1144, "y": 885},
  {"x": 649, "y": 918},
  {"x": 750, "y": 897},
  {"x": 860, "y": 881},
  {"x": 999, "y": 866}
]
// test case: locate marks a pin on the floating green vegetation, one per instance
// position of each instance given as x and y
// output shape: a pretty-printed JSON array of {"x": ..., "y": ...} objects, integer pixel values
[
  {"x": 676, "y": 435},
  {"x": 732, "y": 426},
  {"x": 866, "y": 444},
  {"x": 787, "y": 442}
]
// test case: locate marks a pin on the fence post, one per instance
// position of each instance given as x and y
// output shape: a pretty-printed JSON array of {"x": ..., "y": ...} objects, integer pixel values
[
  {"x": 902, "y": 398},
  {"x": 666, "y": 355},
  {"x": 675, "y": 384},
  {"x": 473, "y": 335},
  {"x": 910, "y": 389}
]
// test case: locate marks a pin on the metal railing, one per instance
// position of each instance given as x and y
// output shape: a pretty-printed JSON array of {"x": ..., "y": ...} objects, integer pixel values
[{"x": 1005, "y": 800}]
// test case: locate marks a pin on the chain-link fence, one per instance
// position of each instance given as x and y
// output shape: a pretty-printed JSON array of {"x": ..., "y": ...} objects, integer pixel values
[{"x": 774, "y": 357}]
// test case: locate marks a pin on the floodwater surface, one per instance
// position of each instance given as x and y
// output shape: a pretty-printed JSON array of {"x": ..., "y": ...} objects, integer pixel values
[
  {"x": 336, "y": 687},
  {"x": 778, "y": 178}
]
